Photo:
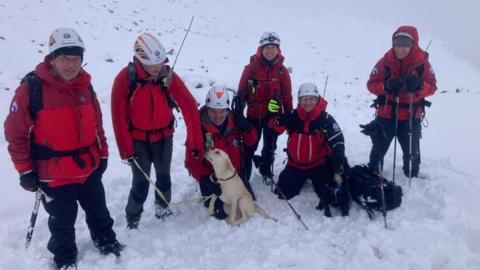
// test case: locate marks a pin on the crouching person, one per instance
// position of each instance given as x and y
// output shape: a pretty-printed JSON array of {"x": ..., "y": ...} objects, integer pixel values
[
  {"x": 225, "y": 130},
  {"x": 57, "y": 144},
  {"x": 315, "y": 146}
]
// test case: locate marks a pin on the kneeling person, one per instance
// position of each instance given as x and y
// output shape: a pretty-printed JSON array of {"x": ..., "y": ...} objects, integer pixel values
[
  {"x": 315, "y": 146},
  {"x": 225, "y": 130}
]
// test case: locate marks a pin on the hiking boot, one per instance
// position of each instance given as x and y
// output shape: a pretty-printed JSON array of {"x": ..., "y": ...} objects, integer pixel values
[
  {"x": 112, "y": 248},
  {"x": 162, "y": 212},
  {"x": 69, "y": 266},
  {"x": 132, "y": 222},
  {"x": 67, "y": 260},
  {"x": 267, "y": 180}
]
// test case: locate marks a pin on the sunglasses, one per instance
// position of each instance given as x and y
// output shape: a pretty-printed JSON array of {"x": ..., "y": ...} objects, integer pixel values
[{"x": 402, "y": 41}]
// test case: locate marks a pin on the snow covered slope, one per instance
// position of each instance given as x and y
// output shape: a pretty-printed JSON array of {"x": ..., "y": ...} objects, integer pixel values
[{"x": 437, "y": 226}]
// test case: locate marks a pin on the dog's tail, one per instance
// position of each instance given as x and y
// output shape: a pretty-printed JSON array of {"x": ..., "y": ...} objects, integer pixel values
[{"x": 262, "y": 212}]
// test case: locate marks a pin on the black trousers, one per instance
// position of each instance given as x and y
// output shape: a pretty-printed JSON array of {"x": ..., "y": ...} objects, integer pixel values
[
  {"x": 62, "y": 210},
  {"x": 292, "y": 179},
  {"x": 160, "y": 154},
  {"x": 381, "y": 142},
  {"x": 268, "y": 151}
]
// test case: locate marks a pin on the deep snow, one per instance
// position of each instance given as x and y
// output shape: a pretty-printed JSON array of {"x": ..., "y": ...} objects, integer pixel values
[{"x": 437, "y": 226}]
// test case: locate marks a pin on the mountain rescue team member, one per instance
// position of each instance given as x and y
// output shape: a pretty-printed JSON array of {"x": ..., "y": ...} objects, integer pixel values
[
  {"x": 57, "y": 144},
  {"x": 143, "y": 97},
  {"x": 403, "y": 71},
  {"x": 225, "y": 130},
  {"x": 265, "y": 81},
  {"x": 315, "y": 147}
]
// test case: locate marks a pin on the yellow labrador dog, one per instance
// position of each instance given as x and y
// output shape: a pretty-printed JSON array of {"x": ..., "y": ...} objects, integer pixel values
[{"x": 234, "y": 193}]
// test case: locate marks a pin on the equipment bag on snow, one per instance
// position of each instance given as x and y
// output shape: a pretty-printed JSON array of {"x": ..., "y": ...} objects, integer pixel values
[{"x": 365, "y": 190}]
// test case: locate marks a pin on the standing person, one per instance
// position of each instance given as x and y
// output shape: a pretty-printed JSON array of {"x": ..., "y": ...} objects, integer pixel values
[
  {"x": 230, "y": 132},
  {"x": 315, "y": 147},
  {"x": 265, "y": 81},
  {"x": 143, "y": 97},
  {"x": 403, "y": 75},
  {"x": 57, "y": 144}
]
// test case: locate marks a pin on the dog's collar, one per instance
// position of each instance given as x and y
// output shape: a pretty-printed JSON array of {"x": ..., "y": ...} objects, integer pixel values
[{"x": 229, "y": 178}]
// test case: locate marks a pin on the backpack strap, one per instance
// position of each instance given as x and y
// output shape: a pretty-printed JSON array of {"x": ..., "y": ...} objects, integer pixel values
[
  {"x": 164, "y": 83},
  {"x": 35, "y": 93},
  {"x": 252, "y": 78},
  {"x": 132, "y": 78},
  {"x": 364, "y": 205}
]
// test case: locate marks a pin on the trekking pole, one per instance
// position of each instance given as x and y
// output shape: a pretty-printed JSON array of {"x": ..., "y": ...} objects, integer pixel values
[
  {"x": 382, "y": 193},
  {"x": 431, "y": 40},
  {"x": 33, "y": 218},
  {"x": 325, "y": 87},
  {"x": 291, "y": 207},
  {"x": 170, "y": 72},
  {"x": 147, "y": 178},
  {"x": 410, "y": 131},
  {"x": 397, "y": 102},
  {"x": 273, "y": 145},
  {"x": 183, "y": 41}
]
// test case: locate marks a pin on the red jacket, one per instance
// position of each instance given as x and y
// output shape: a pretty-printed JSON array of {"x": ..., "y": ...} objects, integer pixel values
[
  {"x": 268, "y": 84},
  {"x": 147, "y": 115},
  {"x": 69, "y": 120},
  {"x": 312, "y": 137},
  {"x": 230, "y": 142},
  {"x": 389, "y": 67}
]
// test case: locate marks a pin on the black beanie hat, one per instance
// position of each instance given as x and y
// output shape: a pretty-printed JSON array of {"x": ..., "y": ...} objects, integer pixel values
[{"x": 72, "y": 50}]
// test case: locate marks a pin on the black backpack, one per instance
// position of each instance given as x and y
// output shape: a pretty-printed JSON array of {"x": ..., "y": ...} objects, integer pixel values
[
  {"x": 366, "y": 190},
  {"x": 35, "y": 93},
  {"x": 163, "y": 83}
]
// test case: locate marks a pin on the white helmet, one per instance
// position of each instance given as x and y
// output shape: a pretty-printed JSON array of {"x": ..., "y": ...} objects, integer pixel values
[
  {"x": 217, "y": 97},
  {"x": 270, "y": 37},
  {"x": 148, "y": 50},
  {"x": 65, "y": 38},
  {"x": 308, "y": 89}
]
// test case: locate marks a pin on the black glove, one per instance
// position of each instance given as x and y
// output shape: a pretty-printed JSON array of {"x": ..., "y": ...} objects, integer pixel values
[
  {"x": 103, "y": 165},
  {"x": 129, "y": 160},
  {"x": 29, "y": 181},
  {"x": 196, "y": 153},
  {"x": 414, "y": 83},
  {"x": 238, "y": 105},
  {"x": 213, "y": 187},
  {"x": 393, "y": 86},
  {"x": 372, "y": 129},
  {"x": 337, "y": 163},
  {"x": 241, "y": 122}
]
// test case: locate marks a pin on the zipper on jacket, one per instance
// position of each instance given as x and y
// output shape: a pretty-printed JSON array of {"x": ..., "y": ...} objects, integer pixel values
[
  {"x": 298, "y": 146},
  {"x": 309, "y": 148}
]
